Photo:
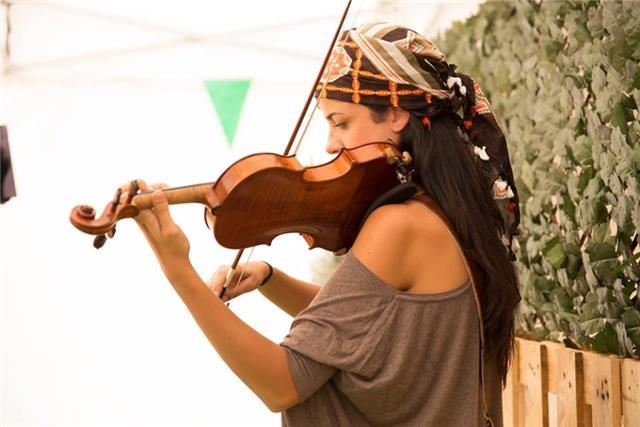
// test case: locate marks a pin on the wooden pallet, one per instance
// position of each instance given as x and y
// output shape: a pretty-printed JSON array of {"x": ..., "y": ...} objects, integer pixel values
[{"x": 550, "y": 385}]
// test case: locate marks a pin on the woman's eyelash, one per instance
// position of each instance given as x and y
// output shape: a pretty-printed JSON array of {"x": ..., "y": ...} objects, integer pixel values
[{"x": 340, "y": 125}]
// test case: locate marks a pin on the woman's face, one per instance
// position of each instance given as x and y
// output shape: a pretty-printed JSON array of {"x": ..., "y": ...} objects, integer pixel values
[{"x": 351, "y": 125}]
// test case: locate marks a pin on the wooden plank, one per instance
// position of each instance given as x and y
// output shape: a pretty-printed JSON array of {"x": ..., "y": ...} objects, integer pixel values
[
  {"x": 510, "y": 396},
  {"x": 565, "y": 384},
  {"x": 552, "y": 364},
  {"x": 631, "y": 392},
  {"x": 533, "y": 380},
  {"x": 603, "y": 389},
  {"x": 552, "y": 402}
]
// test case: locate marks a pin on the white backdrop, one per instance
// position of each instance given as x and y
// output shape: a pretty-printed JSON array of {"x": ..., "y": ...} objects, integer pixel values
[{"x": 95, "y": 94}]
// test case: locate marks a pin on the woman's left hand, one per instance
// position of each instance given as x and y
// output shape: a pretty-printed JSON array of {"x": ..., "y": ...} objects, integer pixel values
[{"x": 166, "y": 238}]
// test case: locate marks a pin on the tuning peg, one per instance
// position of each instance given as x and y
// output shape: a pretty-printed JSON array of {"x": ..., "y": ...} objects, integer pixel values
[
  {"x": 391, "y": 157},
  {"x": 99, "y": 241},
  {"x": 406, "y": 158}
]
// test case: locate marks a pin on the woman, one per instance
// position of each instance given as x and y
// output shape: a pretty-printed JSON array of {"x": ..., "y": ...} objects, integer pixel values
[{"x": 416, "y": 325}]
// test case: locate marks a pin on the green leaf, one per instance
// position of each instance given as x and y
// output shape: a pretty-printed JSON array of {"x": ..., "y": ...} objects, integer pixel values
[
  {"x": 603, "y": 295},
  {"x": 565, "y": 315},
  {"x": 618, "y": 118},
  {"x": 590, "y": 311},
  {"x": 544, "y": 284},
  {"x": 547, "y": 307},
  {"x": 604, "y": 270},
  {"x": 561, "y": 299},
  {"x": 556, "y": 256},
  {"x": 574, "y": 266},
  {"x": 631, "y": 318},
  {"x": 602, "y": 336},
  {"x": 600, "y": 251},
  {"x": 593, "y": 327},
  {"x": 582, "y": 150},
  {"x": 590, "y": 212}
]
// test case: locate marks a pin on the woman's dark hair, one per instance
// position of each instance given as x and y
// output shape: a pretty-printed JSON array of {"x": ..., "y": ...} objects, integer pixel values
[{"x": 450, "y": 173}]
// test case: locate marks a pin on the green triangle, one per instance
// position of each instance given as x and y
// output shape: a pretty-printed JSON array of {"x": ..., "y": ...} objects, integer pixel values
[{"x": 228, "y": 98}]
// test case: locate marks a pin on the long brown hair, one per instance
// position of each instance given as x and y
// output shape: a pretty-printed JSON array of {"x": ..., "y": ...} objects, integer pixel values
[{"x": 450, "y": 173}]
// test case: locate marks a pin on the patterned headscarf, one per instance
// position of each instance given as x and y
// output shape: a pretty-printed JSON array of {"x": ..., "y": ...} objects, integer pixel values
[{"x": 388, "y": 65}]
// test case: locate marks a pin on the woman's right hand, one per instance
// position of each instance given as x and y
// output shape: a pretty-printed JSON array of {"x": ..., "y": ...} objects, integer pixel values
[{"x": 252, "y": 274}]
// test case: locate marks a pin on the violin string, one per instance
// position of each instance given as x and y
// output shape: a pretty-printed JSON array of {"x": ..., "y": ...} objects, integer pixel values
[
  {"x": 324, "y": 84},
  {"x": 244, "y": 268}
]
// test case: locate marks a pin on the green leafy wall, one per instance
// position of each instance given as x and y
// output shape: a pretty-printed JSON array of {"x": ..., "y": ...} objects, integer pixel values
[{"x": 564, "y": 80}]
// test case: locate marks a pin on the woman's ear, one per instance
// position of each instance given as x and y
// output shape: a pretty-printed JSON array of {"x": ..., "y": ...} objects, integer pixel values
[{"x": 399, "y": 119}]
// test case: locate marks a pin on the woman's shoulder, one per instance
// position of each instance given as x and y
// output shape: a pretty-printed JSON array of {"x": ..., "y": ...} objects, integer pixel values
[
  {"x": 392, "y": 235},
  {"x": 411, "y": 219}
]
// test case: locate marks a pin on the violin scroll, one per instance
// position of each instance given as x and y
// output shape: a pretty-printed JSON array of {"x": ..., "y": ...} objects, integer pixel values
[
  {"x": 86, "y": 212},
  {"x": 83, "y": 217}
]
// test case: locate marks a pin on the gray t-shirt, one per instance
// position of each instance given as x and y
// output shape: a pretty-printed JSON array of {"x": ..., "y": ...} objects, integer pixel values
[{"x": 364, "y": 353}]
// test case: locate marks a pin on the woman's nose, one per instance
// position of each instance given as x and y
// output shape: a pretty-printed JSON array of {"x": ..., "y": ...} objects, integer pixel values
[{"x": 333, "y": 146}]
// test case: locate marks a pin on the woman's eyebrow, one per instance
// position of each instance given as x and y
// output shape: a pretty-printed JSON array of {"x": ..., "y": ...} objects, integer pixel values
[{"x": 333, "y": 114}]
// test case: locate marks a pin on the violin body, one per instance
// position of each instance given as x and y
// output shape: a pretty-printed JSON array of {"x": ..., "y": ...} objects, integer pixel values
[{"x": 266, "y": 195}]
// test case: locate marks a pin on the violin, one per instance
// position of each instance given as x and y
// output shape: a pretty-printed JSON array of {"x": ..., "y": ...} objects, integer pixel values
[{"x": 262, "y": 196}]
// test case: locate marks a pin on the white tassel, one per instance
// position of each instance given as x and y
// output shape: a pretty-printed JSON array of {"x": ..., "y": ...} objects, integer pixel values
[
  {"x": 501, "y": 190},
  {"x": 456, "y": 81},
  {"x": 481, "y": 152},
  {"x": 453, "y": 81}
]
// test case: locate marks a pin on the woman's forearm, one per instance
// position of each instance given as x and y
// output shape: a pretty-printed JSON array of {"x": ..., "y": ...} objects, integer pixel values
[
  {"x": 260, "y": 363},
  {"x": 290, "y": 294}
]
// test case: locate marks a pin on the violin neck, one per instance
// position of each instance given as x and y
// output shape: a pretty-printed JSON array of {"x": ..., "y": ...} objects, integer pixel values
[{"x": 177, "y": 195}]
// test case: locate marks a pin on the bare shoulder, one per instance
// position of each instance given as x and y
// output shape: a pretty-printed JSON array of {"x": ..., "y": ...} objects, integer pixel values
[{"x": 390, "y": 237}]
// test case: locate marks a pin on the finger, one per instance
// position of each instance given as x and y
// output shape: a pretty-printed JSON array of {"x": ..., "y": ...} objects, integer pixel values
[
  {"x": 161, "y": 208},
  {"x": 159, "y": 186},
  {"x": 125, "y": 186},
  {"x": 147, "y": 219},
  {"x": 125, "y": 189},
  {"x": 229, "y": 293},
  {"x": 142, "y": 185},
  {"x": 216, "y": 281},
  {"x": 241, "y": 276}
]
